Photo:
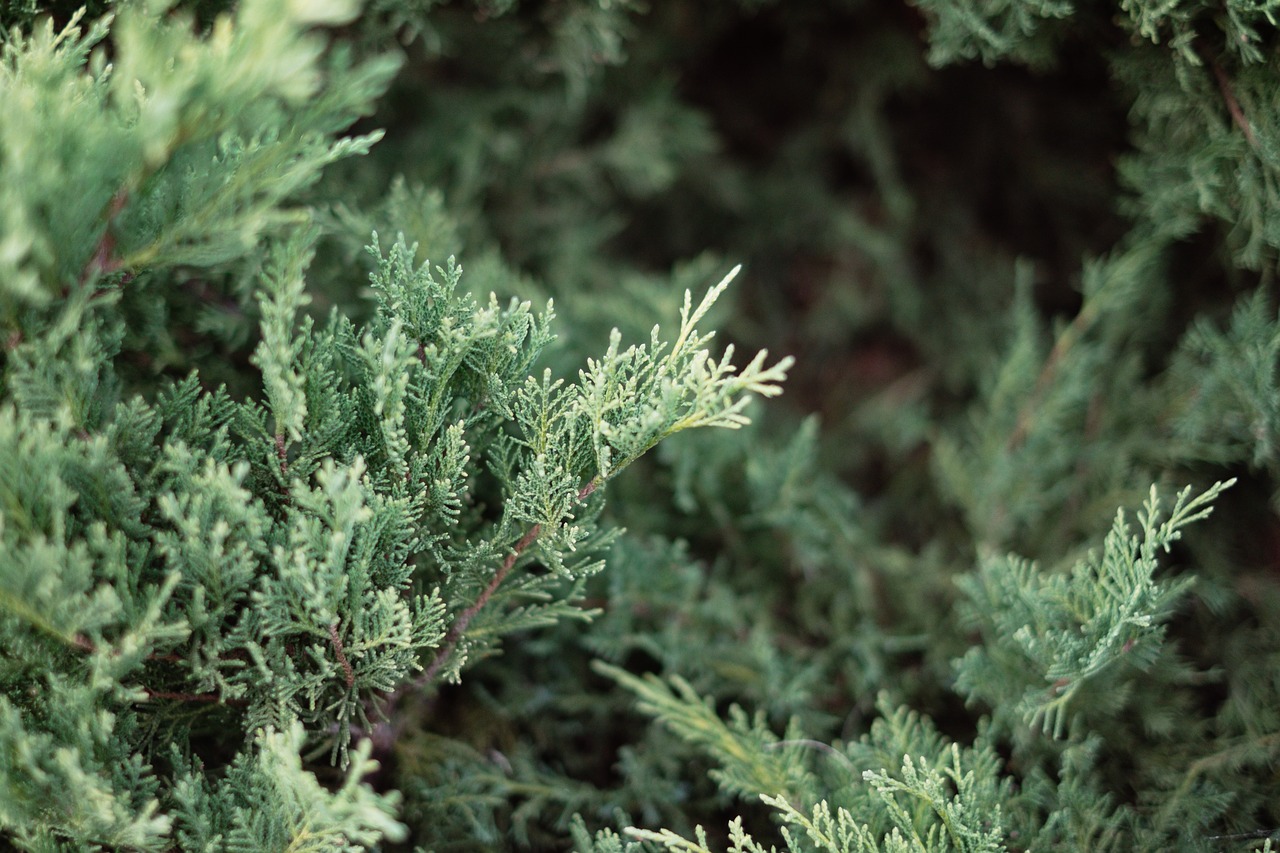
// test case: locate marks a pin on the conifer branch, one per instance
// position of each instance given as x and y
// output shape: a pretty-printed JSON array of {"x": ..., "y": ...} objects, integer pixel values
[
  {"x": 394, "y": 721},
  {"x": 1233, "y": 104},
  {"x": 403, "y": 483},
  {"x": 17, "y": 606},
  {"x": 103, "y": 260},
  {"x": 460, "y": 625},
  {"x": 85, "y": 644},
  {"x": 1066, "y": 341}
]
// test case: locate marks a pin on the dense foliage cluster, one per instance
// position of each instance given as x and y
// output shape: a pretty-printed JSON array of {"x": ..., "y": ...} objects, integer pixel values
[{"x": 353, "y": 363}]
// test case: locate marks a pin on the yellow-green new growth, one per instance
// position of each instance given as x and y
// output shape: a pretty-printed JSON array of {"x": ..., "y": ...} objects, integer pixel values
[{"x": 635, "y": 398}]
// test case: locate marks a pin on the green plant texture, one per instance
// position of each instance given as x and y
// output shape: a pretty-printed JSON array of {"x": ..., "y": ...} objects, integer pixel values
[{"x": 372, "y": 478}]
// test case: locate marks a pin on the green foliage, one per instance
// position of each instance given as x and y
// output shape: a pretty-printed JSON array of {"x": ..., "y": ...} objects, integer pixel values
[
  {"x": 229, "y": 814},
  {"x": 905, "y": 804},
  {"x": 1073, "y": 632},
  {"x": 303, "y": 533},
  {"x": 991, "y": 30},
  {"x": 1070, "y": 629},
  {"x": 1232, "y": 373},
  {"x": 262, "y": 555}
]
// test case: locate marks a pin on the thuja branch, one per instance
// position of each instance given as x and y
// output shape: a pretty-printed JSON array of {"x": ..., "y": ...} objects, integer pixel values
[
  {"x": 385, "y": 733},
  {"x": 629, "y": 400},
  {"x": 459, "y": 626}
]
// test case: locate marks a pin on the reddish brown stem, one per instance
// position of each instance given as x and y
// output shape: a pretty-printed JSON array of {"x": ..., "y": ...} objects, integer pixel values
[
  {"x": 384, "y": 734},
  {"x": 282, "y": 453},
  {"x": 464, "y": 619},
  {"x": 167, "y": 658},
  {"x": 341, "y": 655},
  {"x": 1233, "y": 105},
  {"x": 460, "y": 624},
  {"x": 103, "y": 260},
  {"x": 1067, "y": 339},
  {"x": 212, "y": 698}
]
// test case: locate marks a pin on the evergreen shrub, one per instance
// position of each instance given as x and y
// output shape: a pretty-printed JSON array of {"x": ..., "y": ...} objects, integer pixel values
[{"x": 327, "y": 330}]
